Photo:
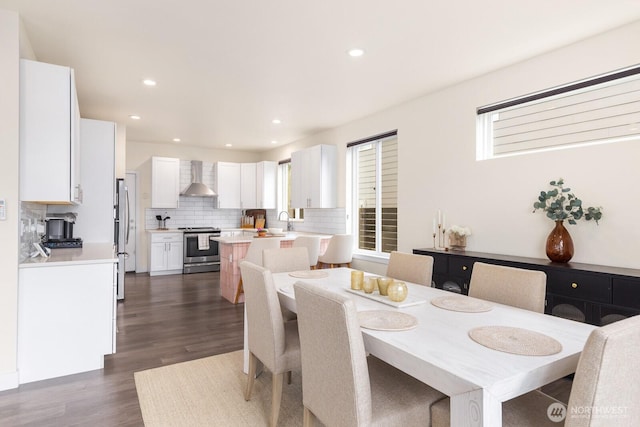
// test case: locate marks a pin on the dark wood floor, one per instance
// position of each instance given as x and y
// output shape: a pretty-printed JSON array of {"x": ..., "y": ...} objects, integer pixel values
[{"x": 164, "y": 320}]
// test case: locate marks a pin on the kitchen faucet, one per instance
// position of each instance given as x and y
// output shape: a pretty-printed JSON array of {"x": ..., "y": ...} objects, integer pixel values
[{"x": 289, "y": 225}]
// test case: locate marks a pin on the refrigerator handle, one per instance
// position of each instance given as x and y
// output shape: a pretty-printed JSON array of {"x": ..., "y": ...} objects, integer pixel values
[{"x": 126, "y": 192}]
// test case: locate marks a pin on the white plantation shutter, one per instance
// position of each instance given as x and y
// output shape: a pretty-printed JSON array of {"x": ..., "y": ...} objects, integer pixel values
[{"x": 599, "y": 110}]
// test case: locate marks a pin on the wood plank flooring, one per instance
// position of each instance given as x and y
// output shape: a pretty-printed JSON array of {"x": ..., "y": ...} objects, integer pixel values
[{"x": 163, "y": 320}]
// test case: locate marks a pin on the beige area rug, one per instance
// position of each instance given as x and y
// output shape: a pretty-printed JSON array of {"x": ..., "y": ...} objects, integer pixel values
[{"x": 210, "y": 392}]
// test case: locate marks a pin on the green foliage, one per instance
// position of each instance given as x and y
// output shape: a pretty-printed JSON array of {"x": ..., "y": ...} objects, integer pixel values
[{"x": 561, "y": 204}]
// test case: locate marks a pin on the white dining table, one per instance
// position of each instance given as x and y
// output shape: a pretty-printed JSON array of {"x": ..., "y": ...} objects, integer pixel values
[{"x": 440, "y": 353}]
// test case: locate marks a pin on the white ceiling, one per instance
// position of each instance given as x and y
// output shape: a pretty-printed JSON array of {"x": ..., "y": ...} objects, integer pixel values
[{"x": 225, "y": 69}]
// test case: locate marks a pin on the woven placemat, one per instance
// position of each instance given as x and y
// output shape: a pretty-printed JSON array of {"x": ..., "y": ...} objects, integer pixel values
[
  {"x": 385, "y": 320},
  {"x": 309, "y": 274},
  {"x": 515, "y": 340},
  {"x": 462, "y": 303}
]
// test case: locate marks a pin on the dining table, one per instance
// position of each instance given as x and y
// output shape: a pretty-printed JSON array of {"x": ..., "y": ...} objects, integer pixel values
[{"x": 444, "y": 342}]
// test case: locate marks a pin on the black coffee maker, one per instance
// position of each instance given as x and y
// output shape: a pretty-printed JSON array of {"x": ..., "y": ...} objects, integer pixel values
[{"x": 59, "y": 231}]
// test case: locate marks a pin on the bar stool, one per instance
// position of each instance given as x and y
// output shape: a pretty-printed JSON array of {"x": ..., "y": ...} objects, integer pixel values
[
  {"x": 254, "y": 255},
  {"x": 339, "y": 251},
  {"x": 312, "y": 243}
]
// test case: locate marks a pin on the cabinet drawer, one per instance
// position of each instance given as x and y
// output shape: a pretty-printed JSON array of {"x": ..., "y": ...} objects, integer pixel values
[
  {"x": 166, "y": 237},
  {"x": 592, "y": 287},
  {"x": 626, "y": 292},
  {"x": 461, "y": 267}
]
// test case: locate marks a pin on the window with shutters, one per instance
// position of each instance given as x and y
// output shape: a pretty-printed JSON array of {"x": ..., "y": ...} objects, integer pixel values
[
  {"x": 374, "y": 188},
  {"x": 599, "y": 110}
]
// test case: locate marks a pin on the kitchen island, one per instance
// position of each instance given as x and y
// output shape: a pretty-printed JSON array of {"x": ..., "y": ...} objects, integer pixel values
[
  {"x": 233, "y": 250},
  {"x": 66, "y": 311}
]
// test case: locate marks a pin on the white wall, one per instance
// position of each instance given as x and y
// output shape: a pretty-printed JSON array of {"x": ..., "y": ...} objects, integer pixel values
[
  {"x": 438, "y": 170},
  {"x": 9, "y": 141}
]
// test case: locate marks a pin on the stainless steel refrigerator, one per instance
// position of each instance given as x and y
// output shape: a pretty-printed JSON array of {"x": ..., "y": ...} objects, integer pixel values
[{"x": 121, "y": 214}]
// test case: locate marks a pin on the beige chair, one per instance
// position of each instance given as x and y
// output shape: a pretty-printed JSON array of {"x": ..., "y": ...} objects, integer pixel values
[
  {"x": 254, "y": 255},
  {"x": 285, "y": 259},
  {"x": 605, "y": 391},
  {"x": 271, "y": 340},
  {"x": 339, "y": 251},
  {"x": 410, "y": 268},
  {"x": 341, "y": 386},
  {"x": 312, "y": 243},
  {"x": 516, "y": 287}
]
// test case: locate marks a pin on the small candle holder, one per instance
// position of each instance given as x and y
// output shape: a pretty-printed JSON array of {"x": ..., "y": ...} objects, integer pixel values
[{"x": 434, "y": 240}]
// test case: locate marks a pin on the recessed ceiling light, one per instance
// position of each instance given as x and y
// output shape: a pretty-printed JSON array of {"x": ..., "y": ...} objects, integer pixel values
[
  {"x": 276, "y": 121},
  {"x": 356, "y": 52},
  {"x": 228, "y": 145},
  {"x": 274, "y": 142},
  {"x": 176, "y": 139},
  {"x": 149, "y": 82},
  {"x": 135, "y": 117}
]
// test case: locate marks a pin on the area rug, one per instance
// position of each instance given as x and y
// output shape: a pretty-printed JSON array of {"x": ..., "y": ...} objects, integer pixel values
[{"x": 210, "y": 392}]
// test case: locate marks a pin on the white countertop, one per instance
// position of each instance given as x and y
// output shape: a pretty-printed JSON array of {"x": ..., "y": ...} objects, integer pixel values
[
  {"x": 90, "y": 253},
  {"x": 168, "y": 230}
]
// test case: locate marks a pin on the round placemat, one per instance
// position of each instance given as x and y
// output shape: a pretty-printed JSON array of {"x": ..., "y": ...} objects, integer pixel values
[
  {"x": 515, "y": 340},
  {"x": 385, "y": 320},
  {"x": 462, "y": 303},
  {"x": 309, "y": 274}
]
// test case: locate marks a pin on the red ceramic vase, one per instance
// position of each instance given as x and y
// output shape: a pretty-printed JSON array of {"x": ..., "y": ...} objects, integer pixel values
[{"x": 559, "y": 244}]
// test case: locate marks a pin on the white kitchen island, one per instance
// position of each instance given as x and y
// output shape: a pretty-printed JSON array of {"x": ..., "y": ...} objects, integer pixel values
[{"x": 66, "y": 312}]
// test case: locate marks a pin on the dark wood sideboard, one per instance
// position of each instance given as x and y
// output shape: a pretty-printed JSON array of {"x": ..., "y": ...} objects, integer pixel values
[{"x": 595, "y": 294}]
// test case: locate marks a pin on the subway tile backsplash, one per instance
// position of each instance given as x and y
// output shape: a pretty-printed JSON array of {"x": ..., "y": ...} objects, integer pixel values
[{"x": 200, "y": 212}]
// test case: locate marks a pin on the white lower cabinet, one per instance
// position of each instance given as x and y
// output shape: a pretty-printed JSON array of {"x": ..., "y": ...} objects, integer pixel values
[
  {"x": 165, "y": 253},
  {"x": 65, "y": 319}
]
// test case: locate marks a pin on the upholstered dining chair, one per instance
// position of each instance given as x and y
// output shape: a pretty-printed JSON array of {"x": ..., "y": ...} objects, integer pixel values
[
  {"x": 339, "y": 251},
  {"x": 605, "y": 390},
  {"x": 312, "y": 243},
  {"x": 512, "y": 286},
  {"x": 340, "y": 384},
  {"x": 410, "y": 267},
  {"x": 285, "y": 259},
  {"x": 271, "y": 340},
  {"x": 254, "y": 255}
]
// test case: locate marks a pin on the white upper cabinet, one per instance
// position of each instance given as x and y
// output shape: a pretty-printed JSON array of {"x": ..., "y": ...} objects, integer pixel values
[
  {"x": 266, "y": 184},
  {"x": 227, "y": 185},
  {"x": 313, "y": 177},
  {"x": 248, "y": 192},
  {"x": 165, "y": 182},
  {"x": 49, "y": 134}
]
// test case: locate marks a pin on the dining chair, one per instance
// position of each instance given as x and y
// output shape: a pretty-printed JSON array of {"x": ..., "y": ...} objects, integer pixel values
[
  {"x": 254, "y": 255},
  {"x": 605, "y": 389},
  {"x": 312, "y": 243},
  {"x": 410, "y": 268},
  {"x": 339, "y": 251},
  {"x": 512, "y": 286},
  {"x": 271, "y": 340},
  {"x": 340, "y": 384},
  {"x": 281, "y": 260}
]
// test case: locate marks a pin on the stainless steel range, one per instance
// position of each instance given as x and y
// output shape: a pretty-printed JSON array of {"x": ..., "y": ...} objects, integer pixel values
[{"x": 201, "y": 254}]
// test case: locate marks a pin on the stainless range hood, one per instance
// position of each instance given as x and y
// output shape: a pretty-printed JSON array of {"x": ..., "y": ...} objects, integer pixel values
[{"x": 197, "y": 188}]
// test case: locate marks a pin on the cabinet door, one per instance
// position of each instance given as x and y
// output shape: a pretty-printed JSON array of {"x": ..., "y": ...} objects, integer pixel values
[
  {"x": 174, "y": 256},
  {"x": 313, "y": 177},
  {"x": 77, "y": 192},
  {"x": 266, "y": 184},
  {"x": 158, "y": 257},
  {"x": 165, "y": 182},
  {"x": 228, "y": 185},
  {"x": 299, "y": 179},
  {"x": 45, "y": 133},
  {"x": 248, "y": 191}
]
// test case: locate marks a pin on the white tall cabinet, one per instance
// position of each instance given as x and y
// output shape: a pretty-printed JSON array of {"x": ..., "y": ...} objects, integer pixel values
[
  {"x": 313, "y": 177},
  {"x": 49, "y": 134},
  {"x": 165, "y": 182}
]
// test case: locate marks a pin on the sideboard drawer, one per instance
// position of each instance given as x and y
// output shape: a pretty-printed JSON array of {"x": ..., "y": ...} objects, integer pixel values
[
  {"x": 592, "y": 287},
  {"x": 626, "y": 292}
]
